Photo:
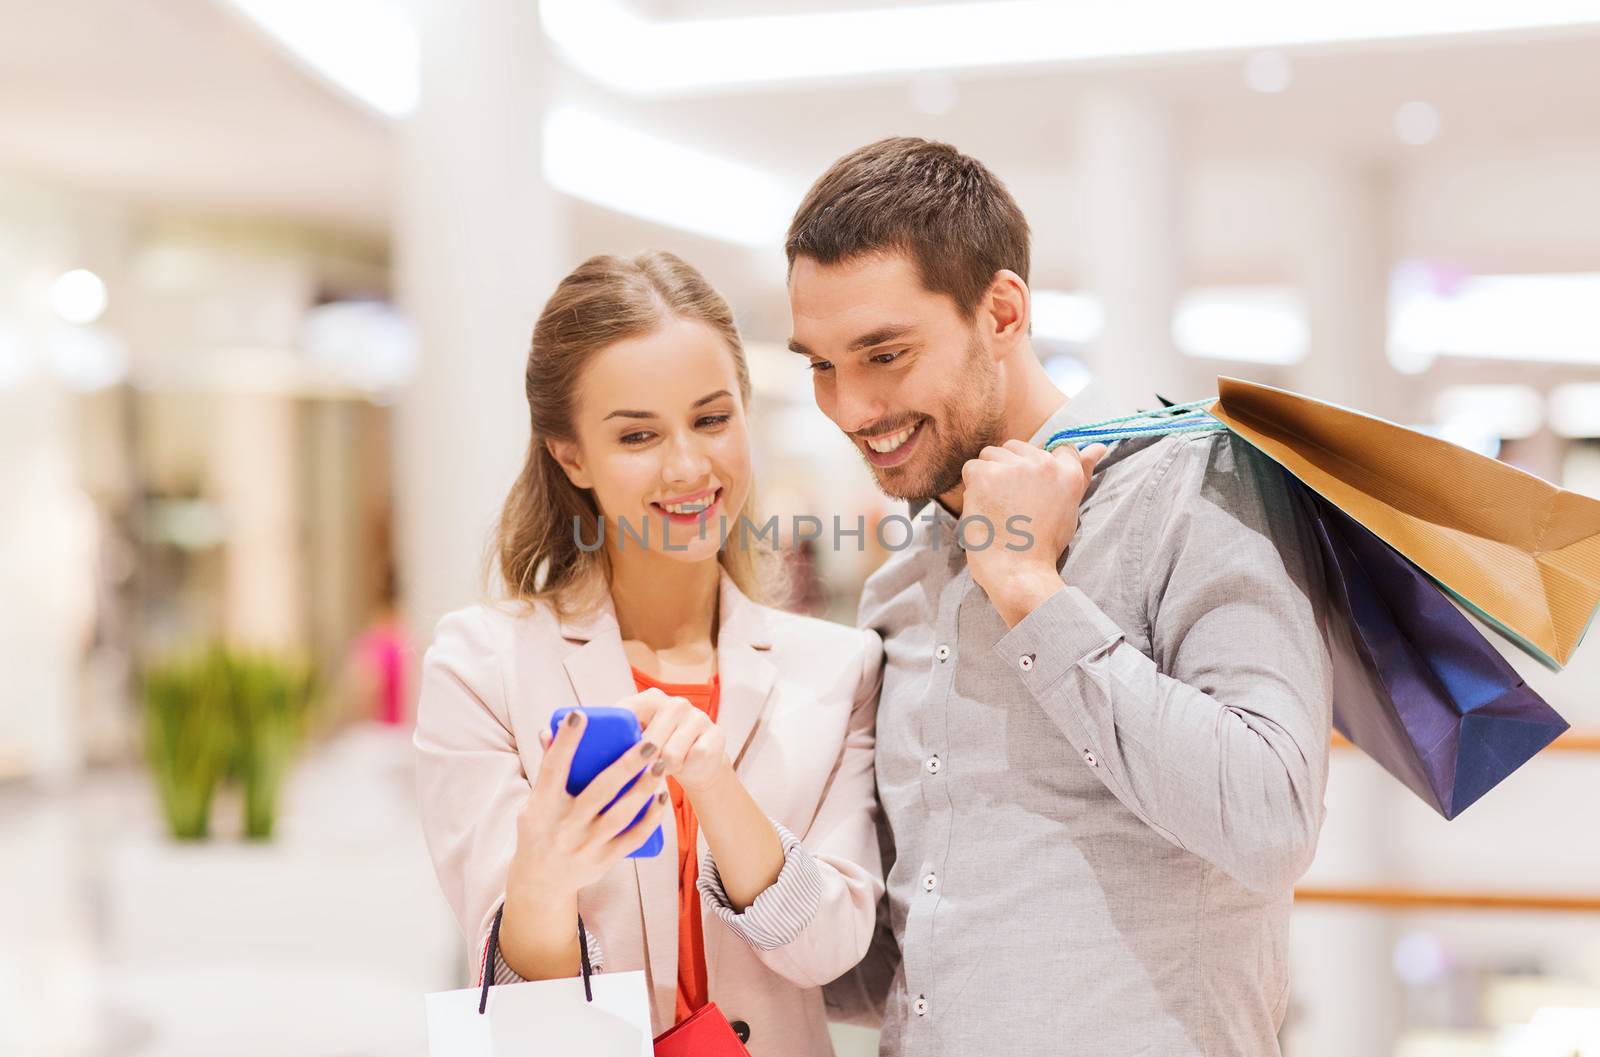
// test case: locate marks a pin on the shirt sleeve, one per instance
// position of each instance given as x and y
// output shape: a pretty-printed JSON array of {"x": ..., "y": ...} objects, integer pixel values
[
  {"x": 780, "y": 912},
  {"x": 1218, "y": 739},
  {"x": 817, "y": 919}
]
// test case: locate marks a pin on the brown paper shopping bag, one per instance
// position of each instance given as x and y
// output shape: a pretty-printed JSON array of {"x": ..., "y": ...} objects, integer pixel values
[{"x": 1517, "y": 551}]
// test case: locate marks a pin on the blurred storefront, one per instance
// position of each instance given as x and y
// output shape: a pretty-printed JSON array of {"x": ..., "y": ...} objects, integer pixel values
[{"x": 261, "y": 346}]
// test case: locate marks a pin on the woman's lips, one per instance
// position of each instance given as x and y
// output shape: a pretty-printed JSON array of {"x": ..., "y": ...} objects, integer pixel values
[{"x": 689, "y": 519}]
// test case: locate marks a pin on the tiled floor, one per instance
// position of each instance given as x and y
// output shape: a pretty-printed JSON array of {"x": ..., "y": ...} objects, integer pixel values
[{"x": 114, "y": 941}]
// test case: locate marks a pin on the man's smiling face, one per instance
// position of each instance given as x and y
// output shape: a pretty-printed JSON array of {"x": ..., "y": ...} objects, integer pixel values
[{"x": 897, "y": 367}]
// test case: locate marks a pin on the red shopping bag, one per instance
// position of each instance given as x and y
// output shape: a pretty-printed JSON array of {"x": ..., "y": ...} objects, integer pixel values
[{"x": 706, "y": 1033}]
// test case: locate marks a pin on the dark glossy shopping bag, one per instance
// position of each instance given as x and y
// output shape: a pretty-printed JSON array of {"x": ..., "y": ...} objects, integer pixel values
[{"x": 1416, "y": 685}]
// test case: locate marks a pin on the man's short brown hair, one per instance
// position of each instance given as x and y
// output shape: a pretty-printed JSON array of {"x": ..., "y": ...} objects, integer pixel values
[{"x": 942, "y": 209}]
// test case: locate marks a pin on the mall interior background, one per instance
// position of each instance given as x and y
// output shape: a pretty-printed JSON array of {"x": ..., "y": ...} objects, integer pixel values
[{"x": 267, "y": 275}]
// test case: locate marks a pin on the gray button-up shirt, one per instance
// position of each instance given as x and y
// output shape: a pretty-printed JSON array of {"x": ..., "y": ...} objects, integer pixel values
[{"x": 1097, "y": 816}]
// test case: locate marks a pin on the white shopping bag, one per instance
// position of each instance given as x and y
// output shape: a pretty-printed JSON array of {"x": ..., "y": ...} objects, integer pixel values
[{"x": 544, "y": 1017}]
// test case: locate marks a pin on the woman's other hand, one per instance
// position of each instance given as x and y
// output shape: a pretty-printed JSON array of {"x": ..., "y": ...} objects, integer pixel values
[{"x": 692, "y": 747}]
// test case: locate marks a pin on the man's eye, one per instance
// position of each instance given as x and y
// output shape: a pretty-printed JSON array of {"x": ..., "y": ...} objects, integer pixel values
[
  {"x": 820, "y": 366},
  {"x": 886, "y": 357}
]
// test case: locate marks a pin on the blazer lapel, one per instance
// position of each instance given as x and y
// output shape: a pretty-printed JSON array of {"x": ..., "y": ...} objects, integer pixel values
[
  {"x": 745, "y": 672},
  {"x": 746, "y": 675},
  {"x": 600, "y": 675}
]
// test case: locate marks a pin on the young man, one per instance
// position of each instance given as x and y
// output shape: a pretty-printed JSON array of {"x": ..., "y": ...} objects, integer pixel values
[{"x": 1101, "y": 757}]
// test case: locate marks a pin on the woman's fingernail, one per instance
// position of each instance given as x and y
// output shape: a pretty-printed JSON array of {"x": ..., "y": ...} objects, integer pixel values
[
  {"x": 646, "y": 751},
  {"x": 574, "y": 718},
  {"x": 661, "y": 765},
  {"x": 661, "y": 799}
]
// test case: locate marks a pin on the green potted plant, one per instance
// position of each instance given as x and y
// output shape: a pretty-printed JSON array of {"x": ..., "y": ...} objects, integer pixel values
[
  {"x": 271, "y": 699},
  {"x": 188, "y": 737}
]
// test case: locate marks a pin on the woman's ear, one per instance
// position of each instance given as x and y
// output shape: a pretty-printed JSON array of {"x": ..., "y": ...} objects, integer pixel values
[{"x": 570, "y": 459}]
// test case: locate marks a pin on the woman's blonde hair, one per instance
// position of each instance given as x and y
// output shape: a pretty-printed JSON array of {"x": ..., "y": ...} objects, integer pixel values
[{"x": 604, "y": 300}]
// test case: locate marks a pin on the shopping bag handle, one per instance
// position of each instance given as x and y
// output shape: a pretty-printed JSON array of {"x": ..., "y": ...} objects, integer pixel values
[
  {"x": 1176, "y": 418},
  {"x": 494, "y": 945}
]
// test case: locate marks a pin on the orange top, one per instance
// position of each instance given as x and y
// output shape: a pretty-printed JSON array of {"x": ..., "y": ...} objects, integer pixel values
[{"x": 691, "y": 936}]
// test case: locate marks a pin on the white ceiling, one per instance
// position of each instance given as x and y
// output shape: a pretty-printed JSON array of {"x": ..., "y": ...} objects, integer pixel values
[{"x": 180, "y": 101}]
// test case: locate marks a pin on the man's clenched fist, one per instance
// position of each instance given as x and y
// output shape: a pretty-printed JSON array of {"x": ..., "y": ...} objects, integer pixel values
[{"x": 1006, "y": 484}]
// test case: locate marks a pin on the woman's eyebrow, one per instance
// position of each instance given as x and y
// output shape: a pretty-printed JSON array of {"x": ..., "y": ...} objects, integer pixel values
[{"x": 622, "y": 413}]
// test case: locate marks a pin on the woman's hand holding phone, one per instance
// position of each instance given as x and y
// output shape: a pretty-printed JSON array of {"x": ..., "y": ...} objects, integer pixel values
[{"x": 567, "y": 842}]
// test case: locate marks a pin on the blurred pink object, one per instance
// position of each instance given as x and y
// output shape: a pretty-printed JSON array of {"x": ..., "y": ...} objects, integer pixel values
[{"x": 383, "y": 653}]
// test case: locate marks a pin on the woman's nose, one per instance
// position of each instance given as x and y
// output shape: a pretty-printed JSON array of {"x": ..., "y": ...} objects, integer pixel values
[{"x": 686, "y": 461}]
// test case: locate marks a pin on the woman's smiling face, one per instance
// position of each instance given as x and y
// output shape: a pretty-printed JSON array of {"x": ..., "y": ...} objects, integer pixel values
[{"x": 662, "y": 440}]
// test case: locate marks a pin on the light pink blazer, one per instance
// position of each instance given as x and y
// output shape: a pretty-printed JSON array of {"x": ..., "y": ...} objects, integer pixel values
[{"x": 798, "y": 701}]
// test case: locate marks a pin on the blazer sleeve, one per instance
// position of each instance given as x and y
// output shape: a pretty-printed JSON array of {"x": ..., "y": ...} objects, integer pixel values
[
  {"x": 816, "y": 921},
  {"x": 470, "y": 780}
]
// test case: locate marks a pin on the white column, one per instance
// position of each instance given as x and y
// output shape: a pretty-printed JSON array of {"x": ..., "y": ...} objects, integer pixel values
[
  {"x": 255, "y": 469},
  {"x": 48, "y": 551},
  {"x": 1342, "y": 255},
  {"x": 1128, "y": 223},
  {"x": 1344, "y": 996},
  {"x": 479, "y": 247}
]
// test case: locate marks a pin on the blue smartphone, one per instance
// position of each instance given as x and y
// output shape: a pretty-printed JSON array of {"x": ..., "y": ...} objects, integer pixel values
[{"x": 610, "y": 733}]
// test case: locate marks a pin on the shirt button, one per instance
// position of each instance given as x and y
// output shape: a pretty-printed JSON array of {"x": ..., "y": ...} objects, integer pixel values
[
  {"x": 933, "y": 765},
  {"x": 929, "y": 883},
  {"x": 919, "y": 1006},
  {"x": 1025, "y": 662},
  {"x": 1088, "y": 758},
  {"x": 943, "y": 653}
]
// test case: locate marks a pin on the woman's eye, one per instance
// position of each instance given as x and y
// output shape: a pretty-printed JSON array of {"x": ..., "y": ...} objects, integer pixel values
[
  {"x": 820, "y": 366},
  {"x": 635, "y": 438},
  {"x": 713, "y": 421}
]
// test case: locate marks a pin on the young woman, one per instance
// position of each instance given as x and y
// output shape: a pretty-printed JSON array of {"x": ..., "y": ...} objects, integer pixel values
[{"x": 629, "y": 583}]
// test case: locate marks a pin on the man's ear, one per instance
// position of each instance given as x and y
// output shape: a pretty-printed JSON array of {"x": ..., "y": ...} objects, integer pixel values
[
  {"x": 1006, "y": 311},
  {"x": 570, "y": 459}
]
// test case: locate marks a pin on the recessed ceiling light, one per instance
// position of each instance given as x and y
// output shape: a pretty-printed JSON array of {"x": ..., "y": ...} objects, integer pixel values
[
  {"x": 1510, "y": 412},
  {"x": 933, "y": 93},
  {"x": 1416, "y": 123},
  {"x": 614, "y": 43},
  {"x": 1575, "y": 409},
  {"x": 596, "y": 159},
  {"x": 1268, "y": 72},
  {"x": 366, "y": 48},
  {"x": 1252, "y": 324},
  {"x": 1072, "y": 317},
  {"x": 78, "y": 296}
]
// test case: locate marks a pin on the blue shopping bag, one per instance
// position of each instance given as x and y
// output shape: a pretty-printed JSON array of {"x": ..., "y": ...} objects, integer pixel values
[{"x": 1416, "y": 685}]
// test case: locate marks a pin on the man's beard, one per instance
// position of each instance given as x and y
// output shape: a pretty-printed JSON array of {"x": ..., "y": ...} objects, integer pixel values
[{"x": 953, "y": 437}]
